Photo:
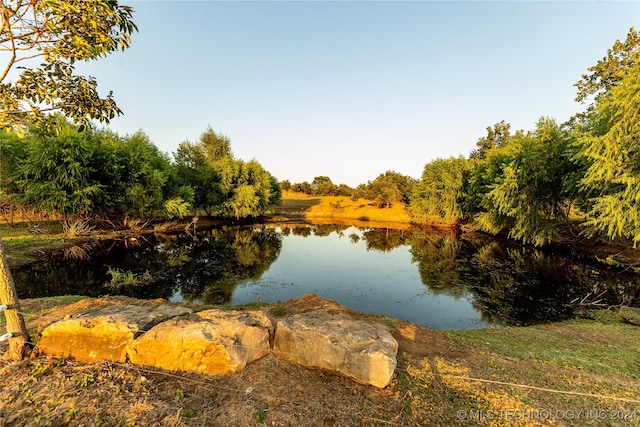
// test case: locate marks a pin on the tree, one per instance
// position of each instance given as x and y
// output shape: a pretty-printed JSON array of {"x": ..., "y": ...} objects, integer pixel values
[
  {"x": 58, "y": 32},
  {"x": 610, "y": 70},
  {"x": 322, "y": 186},
  {"x": 497, "y": 136},
  {"x": 12, "y": 152},
  {"x": 221, "y": 184},
  {"x": 389, "y": 188},
  {"x": 613, "y": 154},
  {"x": 437, "y": 195},
  {"x": 302, "y": 187},
  {"x": 59, "y": 172},
  {"x": 144, "y": 178},
  {"x": 285, "y": 185},
  {"x": 527, "y": 194}
]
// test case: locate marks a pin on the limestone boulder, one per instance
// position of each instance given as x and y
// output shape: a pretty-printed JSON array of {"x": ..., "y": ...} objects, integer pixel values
[
  {"x": 212, "y": 341},
  {"x": 337, "y": 343},
  {"x": 102, "y": 332}
]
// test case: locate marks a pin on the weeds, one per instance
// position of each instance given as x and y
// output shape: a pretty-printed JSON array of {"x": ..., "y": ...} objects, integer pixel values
[
  {"x": 87, "y": 380},
  {"x": 121, "y": 278},
  {"x": 189, "y": 413},
  {"x": 259, "y": 416},
  {"x": 76, "y": 228},
  {"x": 280, "y": 311}
]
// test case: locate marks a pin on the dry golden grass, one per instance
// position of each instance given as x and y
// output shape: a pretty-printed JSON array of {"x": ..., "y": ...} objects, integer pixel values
[{"x": 343, "y": 207}]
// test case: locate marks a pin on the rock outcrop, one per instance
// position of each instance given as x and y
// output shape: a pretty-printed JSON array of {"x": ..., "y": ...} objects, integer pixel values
[
  {"x": 319, "y": 334},
  {"x": 101, "y": 333},
  {"x": 212, "y": 342},
  {"x": 338, "y": 344}
]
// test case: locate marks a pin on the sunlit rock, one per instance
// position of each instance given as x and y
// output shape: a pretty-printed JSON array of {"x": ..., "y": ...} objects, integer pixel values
[
  {"x": 101, "y": 333},
  {"x": 212, "y": 341},
  {"x": 339, "y": 344}
]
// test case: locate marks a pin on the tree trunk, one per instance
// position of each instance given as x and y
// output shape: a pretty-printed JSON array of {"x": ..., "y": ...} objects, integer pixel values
[{"x": 19, "y": 345}]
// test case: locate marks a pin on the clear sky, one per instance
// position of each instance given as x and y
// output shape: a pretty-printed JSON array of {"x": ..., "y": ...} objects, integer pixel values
[{"x": 351, "y": 89}]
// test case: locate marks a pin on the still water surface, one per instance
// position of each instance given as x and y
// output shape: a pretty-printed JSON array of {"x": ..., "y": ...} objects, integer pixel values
[
  {"x": 340, "y": 266},
  {"x": 433, "y": 279}
]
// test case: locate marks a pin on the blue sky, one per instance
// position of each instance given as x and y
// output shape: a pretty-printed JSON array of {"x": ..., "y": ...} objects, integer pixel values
[{"x": 352, "y": 89}]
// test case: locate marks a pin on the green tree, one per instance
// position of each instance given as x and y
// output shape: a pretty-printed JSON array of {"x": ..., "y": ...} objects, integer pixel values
[
  {"x": 221, "y": 184},
  {"x": 144, "y": 178},
  {"x": 249, "y": 189},
  {"x": 497, "y": 136},
  {"x": 610, "y": 70},
  {"x": 302, "y": 187},
  {"x": 611, "y": 147},
  {"x": 437, "y": 196},
  {"x": 60, "y": 32},
  {"x": 322, "y": 186},
  {"x": 389, "y": 188},
  {"x": 193, "y": 171},
  {"x": 12, "y": 153},
  {"x": 59, "y": 173},
  {"x": 528, "y": 192},
  {"x": 285, "y": 185}
]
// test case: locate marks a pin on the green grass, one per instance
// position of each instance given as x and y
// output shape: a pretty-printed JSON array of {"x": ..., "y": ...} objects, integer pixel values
[
  {"x": 280, "y": 311},
  {"x": 561, "y": 366},
  {"x": 600, "y": 346}
]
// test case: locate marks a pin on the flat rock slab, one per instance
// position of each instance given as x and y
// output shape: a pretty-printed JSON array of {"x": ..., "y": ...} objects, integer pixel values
[
  {"x": 101, "y": 333},
  {"x": 212, "y": 341},
  {"x": 337, "y": 343}
]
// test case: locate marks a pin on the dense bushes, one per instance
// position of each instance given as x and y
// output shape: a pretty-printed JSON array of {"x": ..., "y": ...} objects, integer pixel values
[{"x": 59, "y": 170}]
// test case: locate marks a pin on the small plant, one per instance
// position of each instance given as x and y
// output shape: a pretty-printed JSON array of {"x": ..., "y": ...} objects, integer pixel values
[
  {"x": 280, "y": 311},
  {"x": 87, "y": 380},
  {"x": 259, "y": 416},
  {"x": 390, "y": 324},
  {"x": 75, "y": 228},
  {"x": 127, "y": 278},
  {"x": 189, "y": 413},
  {"x": 179, "y": 394},
  {"x": 38, "y": 368},
  {"x": 72, "y": 412}
]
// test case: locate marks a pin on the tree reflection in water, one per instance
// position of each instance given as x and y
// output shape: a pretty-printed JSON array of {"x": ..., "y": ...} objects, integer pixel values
[
  {"x": 513, "y": 284},
  {"x": 205, "y": 269},
  {"x": 506, "y": 283}
]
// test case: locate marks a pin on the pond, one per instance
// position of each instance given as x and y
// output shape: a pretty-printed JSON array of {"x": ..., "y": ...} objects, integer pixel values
[{"x": 435, "y": 279}]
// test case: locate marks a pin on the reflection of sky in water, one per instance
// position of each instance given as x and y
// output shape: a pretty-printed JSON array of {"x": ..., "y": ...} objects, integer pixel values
[{"x": 371, "y": 281}]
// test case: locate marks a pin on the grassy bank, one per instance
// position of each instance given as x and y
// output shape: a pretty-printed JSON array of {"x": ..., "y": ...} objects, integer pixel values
[
  {"x": 23, "y": 244},
  {"x": 579, "y": 372},
  {"x": 584, "y": 371}
]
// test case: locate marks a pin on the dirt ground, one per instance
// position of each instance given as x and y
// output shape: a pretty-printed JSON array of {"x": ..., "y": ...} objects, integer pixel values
[{"x": 268, "y": 392}]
